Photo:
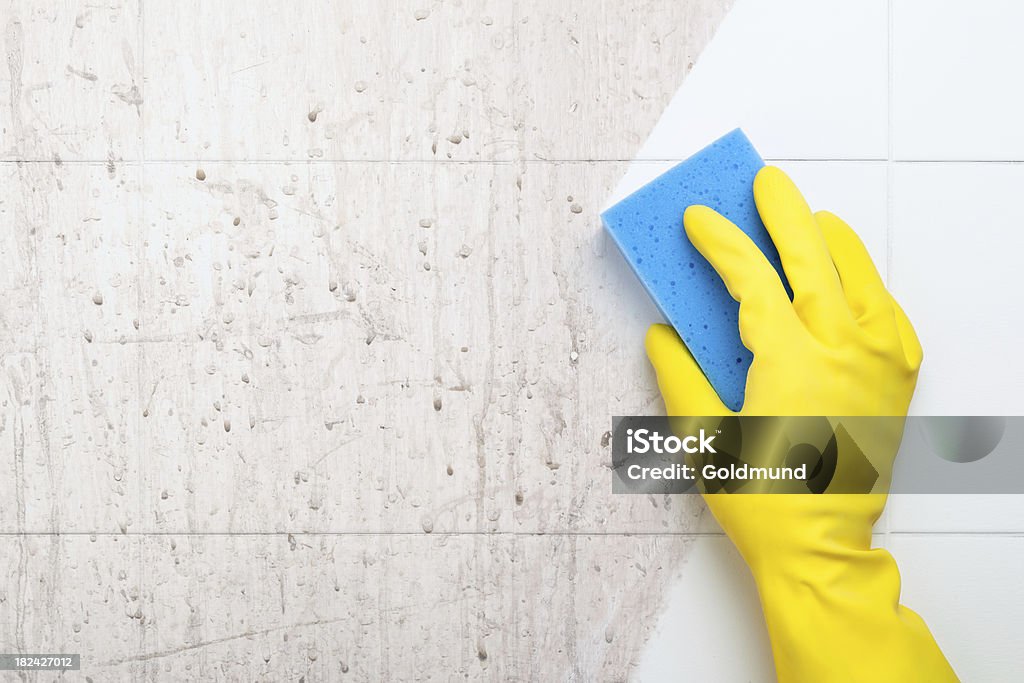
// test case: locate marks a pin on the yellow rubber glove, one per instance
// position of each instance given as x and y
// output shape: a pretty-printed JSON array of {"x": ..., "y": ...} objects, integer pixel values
[{"x": 841, "y": 347}]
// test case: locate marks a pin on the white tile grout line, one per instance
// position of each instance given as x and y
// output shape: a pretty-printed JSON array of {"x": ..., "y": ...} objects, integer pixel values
[
  {"x": 886, "y": 530},
  {"x": 447, "y": 534},
  {"x": 494, "y": 162},
  {"x": 140, "y": 254},
  {"x": 890, "y": 144},
  {"x": 140, "y": 355}
]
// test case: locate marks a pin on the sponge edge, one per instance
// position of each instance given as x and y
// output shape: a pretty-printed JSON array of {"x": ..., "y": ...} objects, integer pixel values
[{"x": 647, "y": 226}]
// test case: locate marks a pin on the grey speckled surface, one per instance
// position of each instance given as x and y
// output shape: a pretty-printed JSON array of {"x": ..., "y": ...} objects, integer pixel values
[{"x": 310, "y": 337}]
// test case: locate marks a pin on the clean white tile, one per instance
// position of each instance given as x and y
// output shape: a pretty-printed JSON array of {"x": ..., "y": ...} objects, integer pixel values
[
  {"x": 974, "y": 513},
  {"x": 957, "y": 236},
  {"x": 804, "y": 78},
  {"x": 969, "y": 592},
  {"x": 955, "y": 73},
  {"x": 855, "y": 191}
]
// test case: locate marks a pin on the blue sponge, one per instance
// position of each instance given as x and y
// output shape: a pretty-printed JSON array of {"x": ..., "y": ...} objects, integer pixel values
[{"x": 648, "y": 227}]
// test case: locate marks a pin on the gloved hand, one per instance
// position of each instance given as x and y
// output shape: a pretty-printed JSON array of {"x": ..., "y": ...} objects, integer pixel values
[{"x": 842, "y": 347}]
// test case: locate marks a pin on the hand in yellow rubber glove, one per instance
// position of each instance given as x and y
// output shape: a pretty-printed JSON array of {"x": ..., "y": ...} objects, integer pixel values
[{"x": 841, "y": 347}]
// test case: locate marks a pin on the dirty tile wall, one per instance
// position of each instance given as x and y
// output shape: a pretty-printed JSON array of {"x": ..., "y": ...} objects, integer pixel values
[{"x": 310, "y": 337}]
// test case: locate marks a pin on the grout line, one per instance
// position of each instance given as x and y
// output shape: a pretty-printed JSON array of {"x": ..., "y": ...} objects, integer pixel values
[
  {"x": 285, "y": 534},
  {"x": 896, "y": 162},
  {"x": 140, "y": 350},
  {"x": 296, "y": 162},
  {"x": 448, "y": 534},
  {"x": 495, "y": 162},
  {"x": 851, "y": 160},
  {"x": 517, "y": 108},
  {"x": 890, "y": 145},
  {"x": 886, "y": 531},
  {"x": 999, "y": 533}
]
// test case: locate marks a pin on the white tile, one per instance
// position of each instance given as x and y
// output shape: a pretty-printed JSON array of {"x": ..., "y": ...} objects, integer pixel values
[
  {"x": 711, "y": 612},
  {"x": 71, "y": 296},
  {"x": 292, "y": 335},
  {"x": 72, "y": 80},
  {"x": 594, "y": 76},
  {"x": 855, "y": 191},
  {"x": 956, "y": 513},
  {"x": 76, "y": 593},
  {"x": 968, "y": 590},
  {"x": 955, "y": 69},
  {"x": 956, "y": 243},
  {"x": 804, "y": 78},
  {"x": 332, "y": 608},
  {"x": 274, "y": 80},
  {"x": 82, "y": 465},
  {"x": 588, "y": 605}
]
